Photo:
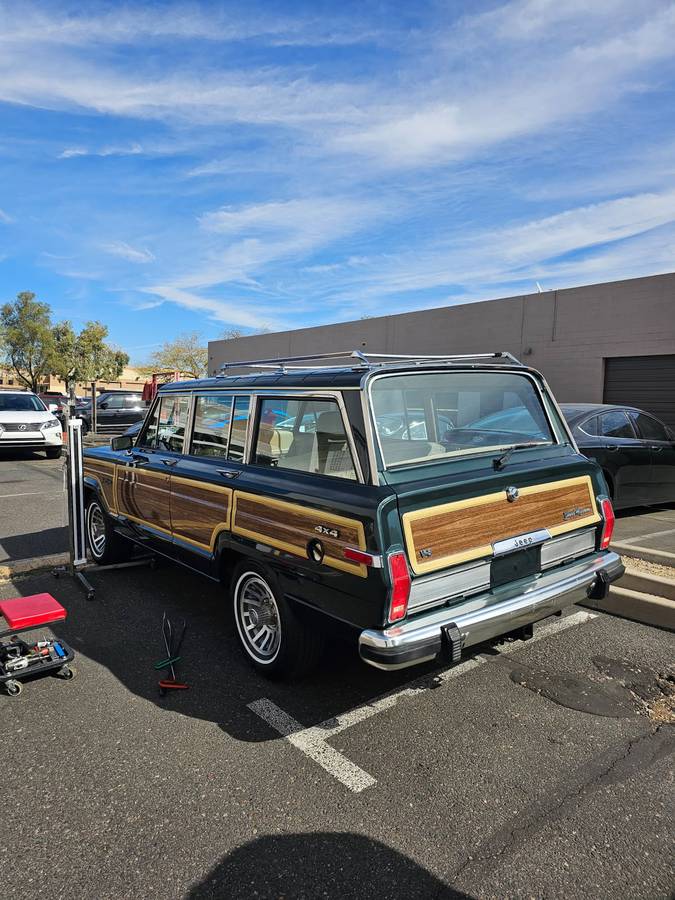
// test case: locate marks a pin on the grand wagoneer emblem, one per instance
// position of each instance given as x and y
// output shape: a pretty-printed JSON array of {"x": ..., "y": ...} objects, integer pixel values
[
  {"x": 512, "y": 494},
  {"x": 330, "y": 532},
  {"x": 576, "y": 512}
]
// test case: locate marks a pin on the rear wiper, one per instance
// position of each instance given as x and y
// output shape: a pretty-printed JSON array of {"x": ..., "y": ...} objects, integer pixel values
[{"x": 499, "y": 462}]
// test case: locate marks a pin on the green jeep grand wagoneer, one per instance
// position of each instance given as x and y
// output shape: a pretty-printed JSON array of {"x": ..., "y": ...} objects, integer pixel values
[{"x": 426, "y": 503}]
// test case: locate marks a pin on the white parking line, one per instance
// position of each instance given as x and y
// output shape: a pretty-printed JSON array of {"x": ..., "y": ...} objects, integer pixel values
[
  {"x": 33, "y": 494},
  {"x": 313, "y": 740}
]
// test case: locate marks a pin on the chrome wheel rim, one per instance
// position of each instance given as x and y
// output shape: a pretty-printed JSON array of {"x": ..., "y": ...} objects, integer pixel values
[
  {"x": 257, "y": 617},
  {"x": 96, "y": 529}
]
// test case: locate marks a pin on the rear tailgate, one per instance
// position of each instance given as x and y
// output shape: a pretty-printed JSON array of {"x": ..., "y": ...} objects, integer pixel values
[{"x": 508, "y": 527}]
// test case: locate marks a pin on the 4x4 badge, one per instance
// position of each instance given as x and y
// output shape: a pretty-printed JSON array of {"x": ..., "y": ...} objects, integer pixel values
[
  {"x": 324, "y": 529},
  {"x": 512, "y": 494}
]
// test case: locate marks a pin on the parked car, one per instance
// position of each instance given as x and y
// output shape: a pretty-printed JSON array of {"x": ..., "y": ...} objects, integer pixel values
[
  {"x": 419, "y": 547},
  {"x": 27, "y": 424},
  {"x": 635, "y": 450},
  {"x": 115, "y": 411}
]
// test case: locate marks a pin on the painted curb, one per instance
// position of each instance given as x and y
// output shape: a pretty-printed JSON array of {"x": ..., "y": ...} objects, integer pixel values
[
  {"x": 647, "y": 583},
  {"x": 23, "y": 566},
  {"x": 661, "y": 557},
  {"x": 647, "y": 609}
]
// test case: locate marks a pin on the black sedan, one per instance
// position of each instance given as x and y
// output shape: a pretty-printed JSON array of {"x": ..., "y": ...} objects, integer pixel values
[{"x": 635, "y": 450}]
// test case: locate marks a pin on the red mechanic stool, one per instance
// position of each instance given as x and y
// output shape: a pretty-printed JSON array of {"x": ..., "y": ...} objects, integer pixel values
[{"x": 21, "y": 659}]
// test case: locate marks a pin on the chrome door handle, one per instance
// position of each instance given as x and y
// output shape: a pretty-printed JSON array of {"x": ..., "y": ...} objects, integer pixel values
[
  {"x": 140, "y": 457},
  {"x": 656, "y": 448},
  {"x": 229, "y": 473},
  {"x": 169, "y": 462}
]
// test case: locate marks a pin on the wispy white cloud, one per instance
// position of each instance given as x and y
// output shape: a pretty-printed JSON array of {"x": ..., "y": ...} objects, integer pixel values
[
  {"x": 5, "y": 217},
  {"x": 70, "y": 152},
  {"x": 126, "y": 251}
]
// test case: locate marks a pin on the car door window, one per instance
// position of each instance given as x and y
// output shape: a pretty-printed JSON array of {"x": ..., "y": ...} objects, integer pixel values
[
  {"x": 132, "y": 401},
  {"x": 173, "y": 414},
  {"x": 114, "y": 402},
  {"x": 238, "y": 430},
  {"x": 648, "y": 428},
  {"x": 166, "y": 425},
  {"x": 307, "y": 435},
  {"x": 211, "y": 431},
  {"x": 615, "y": 424}
]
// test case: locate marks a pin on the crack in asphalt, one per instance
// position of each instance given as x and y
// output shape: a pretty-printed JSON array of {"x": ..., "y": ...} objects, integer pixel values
[{"x": 639, "y": 753}]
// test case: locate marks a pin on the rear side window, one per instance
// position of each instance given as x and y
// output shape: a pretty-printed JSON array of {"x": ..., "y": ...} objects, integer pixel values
[
  {"x": 133, "y": 401},
  {"x": 211, "y": 432},
  {"x": 616, "y": 425},
  {"x": 306, "y": 435},
  {"x": 590, "y": 426},
  {"x": 648, "y": 428}
]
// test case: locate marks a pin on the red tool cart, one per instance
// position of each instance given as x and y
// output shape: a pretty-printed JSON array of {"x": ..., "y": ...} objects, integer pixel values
[{"x": 21, "y": 659}]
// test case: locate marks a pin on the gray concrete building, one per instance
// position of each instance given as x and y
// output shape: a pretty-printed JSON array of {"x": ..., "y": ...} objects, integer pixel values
[{"x": 612, "y": 342}]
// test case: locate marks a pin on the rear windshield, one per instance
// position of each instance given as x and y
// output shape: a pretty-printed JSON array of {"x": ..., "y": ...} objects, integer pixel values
[
  {"x": 422, "y": 417},
  {"x": 21, "y": 403}
]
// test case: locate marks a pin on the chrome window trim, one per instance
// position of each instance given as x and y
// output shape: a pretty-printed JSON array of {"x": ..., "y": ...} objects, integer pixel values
[{"x": 370, "y": 378}]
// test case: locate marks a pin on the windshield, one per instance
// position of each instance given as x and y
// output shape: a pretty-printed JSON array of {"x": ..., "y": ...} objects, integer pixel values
[
  {"x": 21, "y": 403},
  {"x": 429, "y": 416}
]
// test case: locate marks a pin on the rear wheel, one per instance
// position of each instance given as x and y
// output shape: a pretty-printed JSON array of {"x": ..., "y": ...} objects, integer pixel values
[
  {"x": 274, "y": 638},
  {"x": 105, "y": 545}
]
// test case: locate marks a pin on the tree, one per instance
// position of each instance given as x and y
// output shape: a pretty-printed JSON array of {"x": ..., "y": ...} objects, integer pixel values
[
  {"x": 186, "y": 353},
  {"x": 231, "y": 334},
  {"x": 27, "y": 339},
  {"x": 85, "y": 357}
]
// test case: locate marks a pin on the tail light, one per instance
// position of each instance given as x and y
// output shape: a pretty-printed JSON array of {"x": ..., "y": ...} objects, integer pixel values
[
  {"x": 608, "y": 523},
  {"x": 400, "y": 585}
]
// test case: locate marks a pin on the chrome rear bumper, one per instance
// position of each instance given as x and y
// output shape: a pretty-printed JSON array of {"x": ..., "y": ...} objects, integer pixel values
[{"x": 488, "y": 615}]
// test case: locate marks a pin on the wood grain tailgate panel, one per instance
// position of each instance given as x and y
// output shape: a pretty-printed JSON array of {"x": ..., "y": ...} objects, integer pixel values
[
  {"x": 289, "y": 526},
  {"x": 465, "y": 530}
]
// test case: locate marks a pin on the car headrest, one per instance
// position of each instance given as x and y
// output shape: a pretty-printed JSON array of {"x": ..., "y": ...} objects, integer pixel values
[{"x": 330, "y": 423}]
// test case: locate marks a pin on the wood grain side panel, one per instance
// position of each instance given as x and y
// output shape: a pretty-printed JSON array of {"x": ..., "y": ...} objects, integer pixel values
[
  {"x": 465, "y": 530},
  {"x": 103, "y": 472},
  {"x": 289, "y": 526},
  {"x": 199, "y": 511},
  {"x": 144, "y": 497}
]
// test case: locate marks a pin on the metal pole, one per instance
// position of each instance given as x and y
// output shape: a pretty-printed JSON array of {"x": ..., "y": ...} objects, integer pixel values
[{"x": 94, "y": 423}]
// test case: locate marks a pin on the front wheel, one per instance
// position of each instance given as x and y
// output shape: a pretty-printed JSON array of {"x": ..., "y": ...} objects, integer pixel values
[
  {"x": 105, "y": 545},
  {"x": 53, "y": 452},
  {"x": 276, "y": 641}
]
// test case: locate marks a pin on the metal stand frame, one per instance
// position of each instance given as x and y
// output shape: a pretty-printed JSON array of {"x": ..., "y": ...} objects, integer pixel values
[{"x": 77, "y": 538}]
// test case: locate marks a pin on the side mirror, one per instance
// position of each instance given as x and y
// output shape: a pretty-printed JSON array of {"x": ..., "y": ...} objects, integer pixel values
[
  {"x": 123, "y": 442},
  {"x": 103, "y": 406}
]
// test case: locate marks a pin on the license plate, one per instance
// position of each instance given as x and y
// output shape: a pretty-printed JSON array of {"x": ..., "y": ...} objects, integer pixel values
[{"x": 513, "y": 566}]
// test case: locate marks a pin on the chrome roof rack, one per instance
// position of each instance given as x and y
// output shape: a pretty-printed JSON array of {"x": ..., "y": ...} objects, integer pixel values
[{"x": 362, "y": 360}]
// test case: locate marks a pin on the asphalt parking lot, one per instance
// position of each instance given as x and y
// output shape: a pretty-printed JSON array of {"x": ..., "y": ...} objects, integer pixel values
[
  {"x": 531, "y": 770},
  {"x": 32, "y": 505}
]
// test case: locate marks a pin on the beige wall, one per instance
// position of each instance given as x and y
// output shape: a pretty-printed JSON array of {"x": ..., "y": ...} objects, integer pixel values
[
  {"x": 131, "y": 379},
  {"x": 566, "y": 334}
]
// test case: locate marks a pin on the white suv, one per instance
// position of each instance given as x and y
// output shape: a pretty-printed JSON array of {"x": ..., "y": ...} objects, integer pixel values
[{"x": 26, "y": 422}]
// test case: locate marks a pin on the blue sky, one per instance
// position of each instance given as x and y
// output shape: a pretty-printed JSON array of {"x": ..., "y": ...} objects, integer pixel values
[{"x": 175, "y": 167}]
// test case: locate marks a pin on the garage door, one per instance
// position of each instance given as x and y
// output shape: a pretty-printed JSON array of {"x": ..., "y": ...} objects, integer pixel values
[{"x": 647, "y": 382}]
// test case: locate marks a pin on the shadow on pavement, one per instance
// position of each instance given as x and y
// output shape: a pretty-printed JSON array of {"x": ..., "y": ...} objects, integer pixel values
[
  {"x": 36, "y": 543},
  {"x": 121, "y": 630},
  {"x": 320, "y": 864}
]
